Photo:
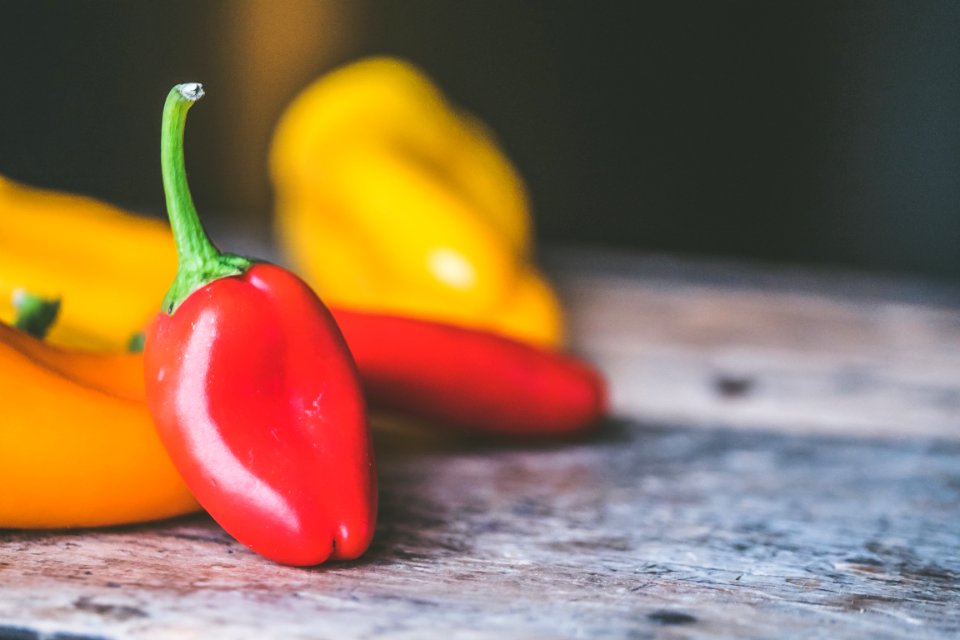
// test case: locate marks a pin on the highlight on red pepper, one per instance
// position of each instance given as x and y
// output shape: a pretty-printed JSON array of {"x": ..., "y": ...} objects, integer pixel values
[{"x": 254, "y": 392}]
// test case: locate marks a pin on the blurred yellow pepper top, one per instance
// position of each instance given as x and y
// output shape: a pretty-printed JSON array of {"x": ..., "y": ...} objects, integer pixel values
[
  {"x": 389, "y": 200},
  {"x": 111, "y": 269},
  {"x": 77, "y": 444}
]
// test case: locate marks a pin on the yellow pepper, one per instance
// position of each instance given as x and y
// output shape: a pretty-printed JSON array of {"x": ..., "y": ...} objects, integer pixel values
[
  {"x": 77, "y": 445},
  {"x": 390, "y": 200},
  {"x": 110, "y": 269}
]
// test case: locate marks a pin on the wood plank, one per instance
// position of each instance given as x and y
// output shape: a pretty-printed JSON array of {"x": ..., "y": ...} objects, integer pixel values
[
  {"x": 712, "y": 344},
  {"x": 714, "y": 533}
]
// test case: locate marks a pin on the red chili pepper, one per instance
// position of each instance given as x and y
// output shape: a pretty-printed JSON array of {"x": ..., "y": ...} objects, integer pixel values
[
  {"x": 254, "y": 393},
  {"x": 471, "y": 380}
]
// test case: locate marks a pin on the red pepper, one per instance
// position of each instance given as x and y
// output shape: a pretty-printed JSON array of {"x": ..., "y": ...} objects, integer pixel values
[
  {"x": 254, "y": 392},
  {"x": 471, "y": 380}
]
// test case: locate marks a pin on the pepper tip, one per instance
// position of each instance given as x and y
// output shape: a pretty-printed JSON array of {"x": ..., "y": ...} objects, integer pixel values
[{"x": 191, "y": 91}]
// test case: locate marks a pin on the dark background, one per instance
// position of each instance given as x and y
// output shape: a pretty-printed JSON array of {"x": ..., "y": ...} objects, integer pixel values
[{"x": 804, "y": 132}]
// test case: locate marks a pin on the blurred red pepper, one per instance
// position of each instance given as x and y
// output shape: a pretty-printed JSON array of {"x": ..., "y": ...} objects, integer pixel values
[
  {"x": 254, "y": 392},
  {"x": 471, "y": 380}
]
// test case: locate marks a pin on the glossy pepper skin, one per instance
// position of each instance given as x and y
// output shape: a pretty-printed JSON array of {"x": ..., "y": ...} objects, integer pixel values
[
  {"x": 82, "y": 251},
  {"x": 254, "y": 392},
  {"x": 256, "y": 400},
  {"x": 391, "y": 201},
  {"x": 77, "y": 445},
  {"x": 473, "y": 381}
]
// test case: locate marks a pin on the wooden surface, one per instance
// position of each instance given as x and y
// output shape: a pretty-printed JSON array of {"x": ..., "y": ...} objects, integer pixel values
[
  {"x": 803, "y": 351},
  {"x": 785, "y": 462}
]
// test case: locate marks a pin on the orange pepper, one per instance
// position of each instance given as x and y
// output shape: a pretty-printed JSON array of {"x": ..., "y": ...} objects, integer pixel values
[{"x": 71, "y": 423}]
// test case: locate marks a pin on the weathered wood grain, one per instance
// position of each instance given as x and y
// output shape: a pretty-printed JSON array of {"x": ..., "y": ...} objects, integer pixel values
[
  {"x": 638, "y": 530},
  {"x": 714, "y": 344},
  {"x": 834, "y": 513}
]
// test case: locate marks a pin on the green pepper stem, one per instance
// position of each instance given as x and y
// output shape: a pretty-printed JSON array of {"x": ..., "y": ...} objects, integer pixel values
[
  {"x": 136, "y": 342},
  {"x": 199, "y": 262},
  {"x": 35, "y": 315}
]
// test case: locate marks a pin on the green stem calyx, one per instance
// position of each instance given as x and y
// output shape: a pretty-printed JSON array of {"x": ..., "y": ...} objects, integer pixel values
[
  {"x": 35, "y": 315},
  {"x": 199, "y": 262}
]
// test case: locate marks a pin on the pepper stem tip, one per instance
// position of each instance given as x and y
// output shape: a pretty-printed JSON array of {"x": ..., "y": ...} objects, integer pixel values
[{"x": 191, "y": 91}]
